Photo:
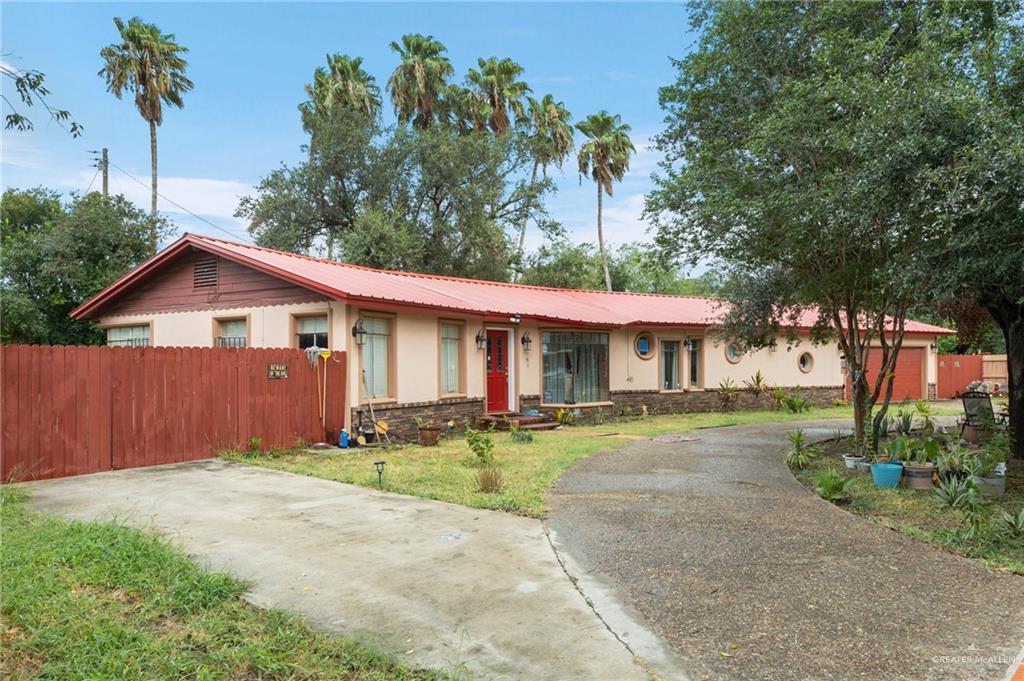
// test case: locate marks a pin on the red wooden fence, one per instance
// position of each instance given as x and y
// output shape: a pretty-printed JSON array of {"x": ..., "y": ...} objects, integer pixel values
[
  {"x": 69, "y": 410},
  {"x": 955, "y": 372}
]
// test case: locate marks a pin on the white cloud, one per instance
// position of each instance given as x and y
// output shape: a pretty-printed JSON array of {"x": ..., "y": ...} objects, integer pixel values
[
  {"x": 204, "y": 196},
  {"x": 620, "y": 74},
  {"x": 18, "y": 152}
]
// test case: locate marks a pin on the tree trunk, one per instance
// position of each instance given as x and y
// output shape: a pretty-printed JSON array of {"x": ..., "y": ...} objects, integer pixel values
[
  {"x": 522, "y": 228},
  {"x": 600, "y": 241},
  {"x": 1014, "y": 334},
  {"x": 152, "y": 159}
]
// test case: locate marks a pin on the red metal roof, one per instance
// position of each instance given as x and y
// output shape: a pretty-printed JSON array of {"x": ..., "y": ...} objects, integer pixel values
[{"x": 493, "y": 299}]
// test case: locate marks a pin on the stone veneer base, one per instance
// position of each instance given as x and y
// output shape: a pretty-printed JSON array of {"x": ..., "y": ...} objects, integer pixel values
[{"x": 401, "y": 418}]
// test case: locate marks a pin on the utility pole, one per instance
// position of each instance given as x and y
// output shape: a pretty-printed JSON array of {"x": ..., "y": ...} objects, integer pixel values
[{"x": 104, "y": 166}]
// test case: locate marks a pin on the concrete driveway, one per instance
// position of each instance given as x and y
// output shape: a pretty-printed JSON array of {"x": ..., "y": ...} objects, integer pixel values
[
  {"x": 444, "y": 586},
  {"x": 751, "y": 576}
]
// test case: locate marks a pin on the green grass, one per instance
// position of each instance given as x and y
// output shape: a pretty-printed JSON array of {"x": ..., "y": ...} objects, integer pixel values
[
  {"x": 919, "y": 514},
  {"x": 104, "y": 601},
  {"x": 449, "y": 472}
]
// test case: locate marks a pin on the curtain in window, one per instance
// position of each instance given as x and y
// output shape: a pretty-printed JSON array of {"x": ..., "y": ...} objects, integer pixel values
[
  {"x": 312, "y": 331},
  {"x": 670, "y": 365},
  {"x": 375, "y": 356},
  {"x": 575, "y": 366},
  {"x": 451, "y": 337},
  {"x": 129, "y": 336},
  {"x": 695, "y": 377}
]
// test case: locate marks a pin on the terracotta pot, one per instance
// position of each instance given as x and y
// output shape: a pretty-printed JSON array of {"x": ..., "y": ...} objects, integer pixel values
[
  {"x": 429, "y": 435},
  {"x": 918, "y": 475}
]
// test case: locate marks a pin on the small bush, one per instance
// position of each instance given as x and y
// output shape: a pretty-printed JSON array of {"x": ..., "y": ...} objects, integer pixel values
[
  {"x": 778, "y": 398},
  {"x": 566, "y": 417},
  {"x": 599, "y": 416},
  {"x": 520, "y": 436},
  {"x": 727, "y": 393},
  {"x": 489, "y": 480},
  {"x": 1012, "y": 525},
  {"x": 956, "y": 493},
  {"x": 756, "y": 384},
  {"x": 831, "y": 486},
  {"x": 801, "y": 453},
  {"x": 839, "y": 402},
  {"x": 481, "y": 444},
  {"x": 795, "y": 404},
  {"x": 255, "y": 445}
]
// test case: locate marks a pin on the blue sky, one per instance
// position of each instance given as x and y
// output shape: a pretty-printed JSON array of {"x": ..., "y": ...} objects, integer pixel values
[{"x": 250, "y": 61}]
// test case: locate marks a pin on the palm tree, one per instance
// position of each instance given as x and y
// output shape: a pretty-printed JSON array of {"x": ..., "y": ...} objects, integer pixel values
[
  {"x": 465, "y": 110},
  {"x": 496, "y": 83},
  {"x": 343, "y": 83},
  {"x": 604, "y": 158},
  {"x": 149, "y": 64},
  {"x": 418, "y": 83},
  {"x": 550, "y": 141}
]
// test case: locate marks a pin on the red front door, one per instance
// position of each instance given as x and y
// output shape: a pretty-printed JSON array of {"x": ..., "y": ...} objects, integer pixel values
[{"x": 497, "y": 370}]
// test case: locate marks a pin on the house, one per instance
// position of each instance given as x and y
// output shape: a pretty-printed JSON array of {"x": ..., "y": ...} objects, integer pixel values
[{"x": 448, "y": 348}]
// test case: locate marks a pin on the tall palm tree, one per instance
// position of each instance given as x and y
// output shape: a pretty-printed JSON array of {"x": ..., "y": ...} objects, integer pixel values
[
  {"x": 604, "y": 158},
  {"x": 497, "y": 84},
  {"x": 419, "y": 82},
  {"x": 343, "y": 83},
  {"x": 550, "y": 141},
  {"x": 465, "y": 110},
  {"x": 149, "y": 64}
]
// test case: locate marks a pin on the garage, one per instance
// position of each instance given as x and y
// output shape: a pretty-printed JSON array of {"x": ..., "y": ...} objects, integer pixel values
[{"x": 909, "y": 381}]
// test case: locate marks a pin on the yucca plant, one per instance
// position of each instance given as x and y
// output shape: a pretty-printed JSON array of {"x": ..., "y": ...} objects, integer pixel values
[
  {"x": 904, "y": 422},
  {"x": 801, "y": 453},
  {"x": 1013, "y": 524},
  {"x": 757, "y": 384},
  {"x": 831, "y": 486},
  {"x": 955, "y": 493}
]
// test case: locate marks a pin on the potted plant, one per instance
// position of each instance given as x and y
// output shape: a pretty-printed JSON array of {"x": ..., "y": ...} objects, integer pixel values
[
  {"x": 920, "y": 465},
  {"x": 988, "y": 474},
  {"x": 887, "y": 471},
  {"x": 428, "y": 432},
  {"x": 952, "y": 463}
]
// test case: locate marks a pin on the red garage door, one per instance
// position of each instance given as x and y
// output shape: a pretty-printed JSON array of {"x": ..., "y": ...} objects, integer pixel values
[{"x": 909, "y": 381}]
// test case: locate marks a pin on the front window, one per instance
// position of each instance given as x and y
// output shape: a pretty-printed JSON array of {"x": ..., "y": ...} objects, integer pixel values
[
  {"x": 232, "y": 333},
  {"x": 451, "y": 358},
  {"x": 376, "y": 356},
  {"x": 695, "y": 372},
  {"x": 575, "y": 367},
  {"x": 311, "y": 331},
  {"x": 670, "y": 365},
  {"x": 128, "y": 336}
]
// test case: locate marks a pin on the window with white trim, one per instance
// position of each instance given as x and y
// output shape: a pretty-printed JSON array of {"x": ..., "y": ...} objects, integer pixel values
[
  {"x": 451, "y": 358},
  {"x": 232, "y": 333},
  {"x": 311, "y": 331},
  {"x": 128, "y": 336},
  {"x": 670, "y": 365},
  {"x": 377, "y": 356},
  {"x": 575, "y": 367}
]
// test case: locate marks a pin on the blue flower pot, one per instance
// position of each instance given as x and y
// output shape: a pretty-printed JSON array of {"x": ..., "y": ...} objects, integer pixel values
[{"x": 886, "y": 475}]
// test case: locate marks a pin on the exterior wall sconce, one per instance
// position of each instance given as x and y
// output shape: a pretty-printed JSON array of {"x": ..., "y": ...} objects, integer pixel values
[
  {"x": 358, "y": 332},
  {"x": 688, "y": 345},
  {"x": 515, "y": 319},
  {"x": 526, "y": 341},
  {"x": 481, "y": 340}
]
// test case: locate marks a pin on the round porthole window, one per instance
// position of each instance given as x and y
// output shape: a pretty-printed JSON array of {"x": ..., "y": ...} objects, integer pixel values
[
  {"x": 733, "y": 353},
  {"x": 644, "y": 345},
  {"x": 805, "y": 362}
]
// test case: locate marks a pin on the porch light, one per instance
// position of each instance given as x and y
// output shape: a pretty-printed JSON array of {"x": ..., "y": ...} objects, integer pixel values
[
  {"x": 515, "y": 319},
  {"x": 358, "y": 332},
  {"x": 526, "y": 341},
  {"x": 379, "y": 465},
  {"x": 481, "y": 340},
  {"x": 688, "y": 345}
]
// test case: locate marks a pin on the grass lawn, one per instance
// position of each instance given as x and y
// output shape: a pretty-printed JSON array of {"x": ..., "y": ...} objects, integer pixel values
[
  {"x": 919, "y": 514},
  {"x": 449, "y": 472},
  {"x": 105, "y": 601}
]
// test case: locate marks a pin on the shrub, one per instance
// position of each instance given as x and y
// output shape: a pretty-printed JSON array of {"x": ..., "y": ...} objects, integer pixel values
[
  {"x": 489, "y": 480},
  {"x": 840, "y": 402},
  {"x": 795, "y": 404},
  {"x": 727, "y": 392},
  {"x": 255, "y": 445},
  {"x": 566, "y": 417},
  {"x": 757, "y": 384},
  {"x": 481, "y": 444},
  {"x": 1012, "y": 525},
  {"x": 520, "y": 436},
  {"x": 599, "y": 416},
  {"x": 926, "y": 414},
  {"x": 955, "y": 493},
  {"x": 831, "y": 486},
  {"x": 801, "y": 453},
  {"x": 778, "y": 397}
]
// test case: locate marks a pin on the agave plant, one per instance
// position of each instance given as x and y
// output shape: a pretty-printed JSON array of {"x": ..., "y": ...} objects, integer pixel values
[
  {"x": 801, "y": 453},
  {"x": 1013, "y": 524},
  {"x": 955, "y": 493}
]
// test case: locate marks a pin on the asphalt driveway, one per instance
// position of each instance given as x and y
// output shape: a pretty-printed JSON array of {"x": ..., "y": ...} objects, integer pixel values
[
  {"x": 749, "y": 576},
  {"x": 444, "y": 586}
]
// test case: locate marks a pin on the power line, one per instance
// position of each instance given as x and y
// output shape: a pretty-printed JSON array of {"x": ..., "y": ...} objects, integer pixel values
[
  {"x": 89, "y": 188},
  {"x": 178, "y": 205}
]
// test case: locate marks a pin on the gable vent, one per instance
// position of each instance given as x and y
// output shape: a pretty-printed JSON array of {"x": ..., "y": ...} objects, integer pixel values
[{"x": 204, "y": 274}]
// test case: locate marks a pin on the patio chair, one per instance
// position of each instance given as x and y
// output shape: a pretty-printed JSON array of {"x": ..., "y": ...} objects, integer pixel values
[{"x": 978, "y": 412}]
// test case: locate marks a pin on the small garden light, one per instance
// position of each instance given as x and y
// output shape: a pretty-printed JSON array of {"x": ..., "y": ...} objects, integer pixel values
[
  {"x": 481, "y": 340},
  {"x": 526, "y": 341},
  {"x": 379, "y": 465}
]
